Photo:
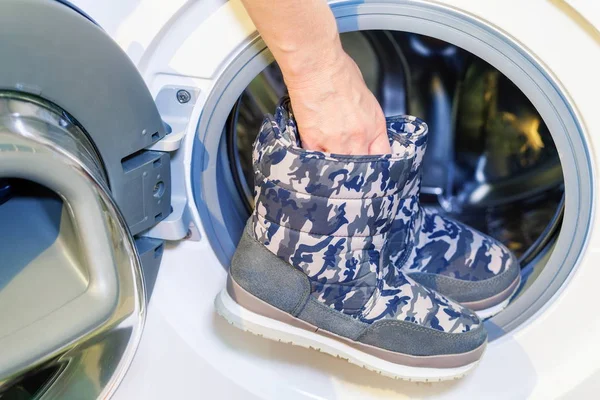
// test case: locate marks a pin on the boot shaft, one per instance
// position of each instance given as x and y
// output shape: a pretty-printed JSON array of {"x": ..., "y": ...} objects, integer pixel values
[
  {"x": 330, "y": 215},
  {"x": 409, "y": 215}
]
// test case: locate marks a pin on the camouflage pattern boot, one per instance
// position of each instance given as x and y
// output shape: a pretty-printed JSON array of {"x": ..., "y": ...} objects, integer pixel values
[
  {"x": 310, "y": 267},
  {"x": 445, "y": 255}
]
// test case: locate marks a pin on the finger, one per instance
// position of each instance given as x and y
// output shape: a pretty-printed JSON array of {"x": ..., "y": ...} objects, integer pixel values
[
  {"x": 338, "y": 144},
  {"x": 318, "y": 144},
  {"x": 381, "y": 145},
  {"x": 348, "y": 146}
]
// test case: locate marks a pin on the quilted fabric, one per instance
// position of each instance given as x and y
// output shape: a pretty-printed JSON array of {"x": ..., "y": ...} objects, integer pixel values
[
  {"x": 422, "y": 240},
  {"x": 331, "y": 216}
]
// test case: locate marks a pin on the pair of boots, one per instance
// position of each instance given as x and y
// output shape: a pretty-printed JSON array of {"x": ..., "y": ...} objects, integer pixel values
[{"x": 338, "y": 255}]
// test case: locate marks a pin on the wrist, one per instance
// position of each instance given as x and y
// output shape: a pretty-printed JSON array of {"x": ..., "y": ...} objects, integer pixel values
[
  {"x": 308, "y": 64},
  {"x": 314, "y": 69}
]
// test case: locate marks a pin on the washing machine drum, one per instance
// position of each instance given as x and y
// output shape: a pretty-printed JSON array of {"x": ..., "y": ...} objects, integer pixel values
[
  {"x": 76, "y": 185},
  {"x": 491, "y": 161}
]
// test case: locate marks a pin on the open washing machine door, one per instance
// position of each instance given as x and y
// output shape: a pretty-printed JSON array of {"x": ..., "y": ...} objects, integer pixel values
[
  {"x": 81, "y": 186},
  {"x": 202, "y": 61}
]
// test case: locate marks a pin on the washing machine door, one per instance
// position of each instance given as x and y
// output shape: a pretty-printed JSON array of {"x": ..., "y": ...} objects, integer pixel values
[{"x": 79, "y": 190}]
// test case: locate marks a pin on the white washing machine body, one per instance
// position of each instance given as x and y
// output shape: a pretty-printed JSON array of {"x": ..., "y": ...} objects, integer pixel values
[{"x": 210, "y": 48}]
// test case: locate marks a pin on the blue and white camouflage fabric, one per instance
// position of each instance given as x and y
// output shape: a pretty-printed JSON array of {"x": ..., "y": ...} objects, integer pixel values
[
  {"x": 330, "y": 217},
  {"x": 426, "y": 242}
]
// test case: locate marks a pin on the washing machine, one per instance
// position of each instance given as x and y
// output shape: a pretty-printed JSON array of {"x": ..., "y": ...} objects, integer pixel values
[{"x": 125, "y": 128}]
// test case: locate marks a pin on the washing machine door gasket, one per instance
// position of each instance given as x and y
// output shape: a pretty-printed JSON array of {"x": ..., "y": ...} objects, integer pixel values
[
  {"x": 79, "y": 189},
  {"x": 484, "y": 41}
]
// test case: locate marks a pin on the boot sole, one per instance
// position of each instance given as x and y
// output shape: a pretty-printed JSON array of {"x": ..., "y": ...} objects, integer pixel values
[
  {"x": 483, "y": 309},
  {"x": 343, "y": 348}
]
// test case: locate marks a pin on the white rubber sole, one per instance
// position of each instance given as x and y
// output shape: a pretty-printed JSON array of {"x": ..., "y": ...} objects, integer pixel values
[
  {"x": 490, "y": 312},
  {"x": 272, "y": 329}
]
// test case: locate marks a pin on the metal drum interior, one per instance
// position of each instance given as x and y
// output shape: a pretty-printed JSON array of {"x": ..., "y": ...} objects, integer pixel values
[{"x": 491, "y": 160}]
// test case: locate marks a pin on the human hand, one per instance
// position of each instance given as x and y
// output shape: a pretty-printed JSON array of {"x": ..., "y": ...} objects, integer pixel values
[{"x": 336, "y": 112}]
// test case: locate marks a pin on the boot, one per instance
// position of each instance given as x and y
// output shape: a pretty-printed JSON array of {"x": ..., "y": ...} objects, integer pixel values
[
  {"x": 445, "y": 255},
  {"x": 310, "y": 266}
]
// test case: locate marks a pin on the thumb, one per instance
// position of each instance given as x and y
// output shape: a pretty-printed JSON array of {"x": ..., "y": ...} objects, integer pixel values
[{"x": 381, "y": 145}]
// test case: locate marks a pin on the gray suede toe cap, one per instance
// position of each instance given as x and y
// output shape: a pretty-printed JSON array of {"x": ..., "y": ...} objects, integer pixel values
[{"x": 410, "y": 338}]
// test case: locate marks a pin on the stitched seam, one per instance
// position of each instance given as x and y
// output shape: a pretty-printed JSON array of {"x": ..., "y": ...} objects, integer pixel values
[
  {"x": 407, "y": 251},
  {"x": 340, "y": 157},
  {"x": 302, "y": 302},
  {"x": 306, "y": 291},
  {"x": 317, "y": 233},
  {"x": 336, "y": 313},
  {"x": 358, "y": 312},
  {"x": 352, "y": 282},
  {"x": 461, "y": 283},
  {"x": 285, "y": 187},
  {"x": 418, "y": 328},
  {"x": 361, "y": 312},
  {"x": 329, "y": 310},
  {"x": 406, "y": 142}
]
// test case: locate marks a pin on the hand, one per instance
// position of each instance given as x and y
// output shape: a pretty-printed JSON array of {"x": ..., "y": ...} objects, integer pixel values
[{"x": 336, "y": 112}]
